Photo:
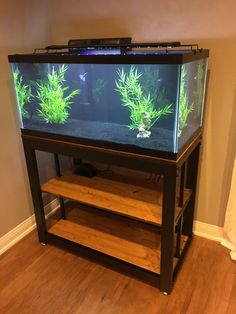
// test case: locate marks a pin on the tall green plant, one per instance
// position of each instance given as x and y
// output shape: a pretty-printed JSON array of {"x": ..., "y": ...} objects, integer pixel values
[
  {"x": 23, "y": 92},
  {"x": 184, "y": 107},
  {"x": 152, "y": 83},
  {"x": 198, "y": 94},
  {"x": 51, "y": 95},
  {"x": 143, "y": 114}
]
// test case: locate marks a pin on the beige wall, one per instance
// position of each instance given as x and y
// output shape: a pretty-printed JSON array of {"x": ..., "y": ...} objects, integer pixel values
[
  {"x": 212, "y": 24},
  {"x": 23, "y": 25},
  {"x": 27, "y": 24}
]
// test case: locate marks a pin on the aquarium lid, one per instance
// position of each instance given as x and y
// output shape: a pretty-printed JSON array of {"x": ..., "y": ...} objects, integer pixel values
[{"x": 114, "y": 50}]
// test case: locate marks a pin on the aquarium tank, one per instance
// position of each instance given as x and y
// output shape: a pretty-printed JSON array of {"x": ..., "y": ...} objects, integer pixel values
[{"x": 145, "y": 98}]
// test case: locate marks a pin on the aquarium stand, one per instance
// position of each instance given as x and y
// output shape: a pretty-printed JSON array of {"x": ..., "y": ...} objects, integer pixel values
[{"x": 142, "y": 228}]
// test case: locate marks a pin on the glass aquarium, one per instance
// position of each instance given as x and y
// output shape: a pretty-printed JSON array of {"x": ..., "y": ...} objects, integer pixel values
[{"x": 135, "y": 102}]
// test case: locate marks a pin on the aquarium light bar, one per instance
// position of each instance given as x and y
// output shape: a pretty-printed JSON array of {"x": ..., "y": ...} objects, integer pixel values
[
  {"x": 100, "y": 51},
  {"x": 76, "y": 43},
  {"x": 109, "y": 46},
  {"x": 127, "y": 46}
]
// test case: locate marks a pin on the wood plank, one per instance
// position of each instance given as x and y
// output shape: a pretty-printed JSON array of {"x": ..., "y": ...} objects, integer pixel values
[
  {"x": 130, "y": 241},
  {"x": 127, "y": 196}
]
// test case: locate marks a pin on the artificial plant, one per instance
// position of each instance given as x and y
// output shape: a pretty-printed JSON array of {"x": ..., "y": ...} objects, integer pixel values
[
  {"x": 23, "y": 92},
  {"x": 198, "y": 93},
  {"x": 184, "y": 107},
  {"x": 143, "y": 113},
  {"x": 152, "y": 83},
  {"x": 54, "y": 104}
]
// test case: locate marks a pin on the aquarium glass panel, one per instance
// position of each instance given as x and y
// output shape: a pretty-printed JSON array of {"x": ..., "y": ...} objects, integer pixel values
[
  {"x": 190, "y": 100},
  {"x": 128, "y": 104}
]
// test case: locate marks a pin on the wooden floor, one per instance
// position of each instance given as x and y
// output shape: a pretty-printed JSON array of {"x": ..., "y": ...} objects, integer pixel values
[{"x": 36, "y": 279}]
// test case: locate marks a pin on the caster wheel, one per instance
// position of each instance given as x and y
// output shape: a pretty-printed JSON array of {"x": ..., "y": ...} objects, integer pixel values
[
  {"x": 43, "y": 243},
  {"x": 165, "y": 293}
]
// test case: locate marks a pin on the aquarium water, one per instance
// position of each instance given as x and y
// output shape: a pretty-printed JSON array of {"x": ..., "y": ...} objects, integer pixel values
[{"x": 150, "y": 106}]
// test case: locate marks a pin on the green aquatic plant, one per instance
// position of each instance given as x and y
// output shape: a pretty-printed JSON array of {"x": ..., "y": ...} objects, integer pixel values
[
  {"x": 184, "y": 107},
  {"x": 23, "y": 92},
  {"x": 198, "y": 93},
  {"x": 98, "y": 89},
  {"x": 152, "y": 83},
  {"x": 51, "y": 95},
  {"x": 143, "y": 114}
]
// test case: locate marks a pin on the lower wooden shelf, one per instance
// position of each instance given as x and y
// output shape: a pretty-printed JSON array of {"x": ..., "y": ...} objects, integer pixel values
[
  {"x": 128, "y": 195},
  {"x": 131, "y": 241}
]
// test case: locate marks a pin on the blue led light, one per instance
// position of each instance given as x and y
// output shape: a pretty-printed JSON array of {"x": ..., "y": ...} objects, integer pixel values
[
  {"x": 117, "y": 51},
  {"x": 96, "y": 52}
]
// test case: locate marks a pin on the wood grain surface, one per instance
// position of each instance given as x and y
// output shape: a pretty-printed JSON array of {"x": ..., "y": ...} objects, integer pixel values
[
  {"x": 45, "y": 279},
  {"x": 129, "y": 240},
  {"x": 128, "y": 196}
]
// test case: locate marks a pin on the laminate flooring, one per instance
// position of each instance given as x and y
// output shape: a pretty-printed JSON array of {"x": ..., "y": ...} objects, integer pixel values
[{"x": 36, "y": 279}]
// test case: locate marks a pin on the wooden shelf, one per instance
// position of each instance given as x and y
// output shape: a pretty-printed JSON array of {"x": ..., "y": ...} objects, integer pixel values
[
  {"x": 129, "y": 240},
  {"x": 128, "y": 196}
]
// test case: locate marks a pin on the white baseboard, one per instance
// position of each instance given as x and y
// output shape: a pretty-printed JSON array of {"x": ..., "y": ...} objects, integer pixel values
[
  {"x": 228, "y": 244},
  {"x": 211, "y": 232},
  {"x": 201, "y": 229},
  {"x": 20, "y": 231}
]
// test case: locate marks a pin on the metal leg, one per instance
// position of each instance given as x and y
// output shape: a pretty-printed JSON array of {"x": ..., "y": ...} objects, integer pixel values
[
  {"x": 182, "y": 184},
  {"x": 181, "y": 203},
  {"x": 62, "y": 206},
  {"x": 57, "y": 165},
  {"x": 178, "y": 237},
  {"x": 31, "y": 163},
  {"x": 168, "y": 228},
  {"x": 58, "y": 172},
  {"x": 191, "y": 182}
]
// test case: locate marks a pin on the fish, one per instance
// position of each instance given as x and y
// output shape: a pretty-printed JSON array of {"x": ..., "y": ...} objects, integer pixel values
[{"x": 83, "y": 76}]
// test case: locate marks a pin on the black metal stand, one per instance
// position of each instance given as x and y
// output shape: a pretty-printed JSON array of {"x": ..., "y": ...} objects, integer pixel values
[
  {"x": 178, "y": 175},
  {"x": 58, "y": 172}
]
